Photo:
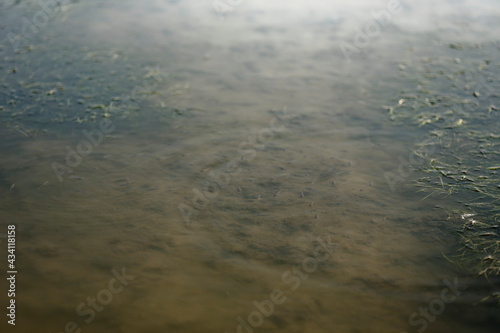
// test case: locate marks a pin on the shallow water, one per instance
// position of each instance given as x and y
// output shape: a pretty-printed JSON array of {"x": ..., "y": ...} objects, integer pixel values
[{"x": 233, "y": 148}]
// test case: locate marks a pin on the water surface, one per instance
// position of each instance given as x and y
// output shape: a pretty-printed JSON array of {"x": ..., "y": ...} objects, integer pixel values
[{"x": 186, "y": 90}]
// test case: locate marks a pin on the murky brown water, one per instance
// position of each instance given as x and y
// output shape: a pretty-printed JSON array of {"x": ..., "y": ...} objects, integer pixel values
[{"x": 233, "y": 148}]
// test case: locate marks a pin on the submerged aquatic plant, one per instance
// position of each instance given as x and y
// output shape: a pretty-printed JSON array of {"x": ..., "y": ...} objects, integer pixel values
[{"x": 456, "y": 104}]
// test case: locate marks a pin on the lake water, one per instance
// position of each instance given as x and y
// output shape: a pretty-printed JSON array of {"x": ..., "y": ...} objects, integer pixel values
[{"x": 232, "y": 164}]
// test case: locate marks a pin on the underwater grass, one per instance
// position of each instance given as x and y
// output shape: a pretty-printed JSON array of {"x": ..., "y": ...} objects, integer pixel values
[
  {"x": 455, "y": 107},
  {"x": 56, "y": 85}
]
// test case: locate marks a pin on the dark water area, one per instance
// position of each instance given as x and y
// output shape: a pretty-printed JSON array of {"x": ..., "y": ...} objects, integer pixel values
[{"x": 244, "y": 166}]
